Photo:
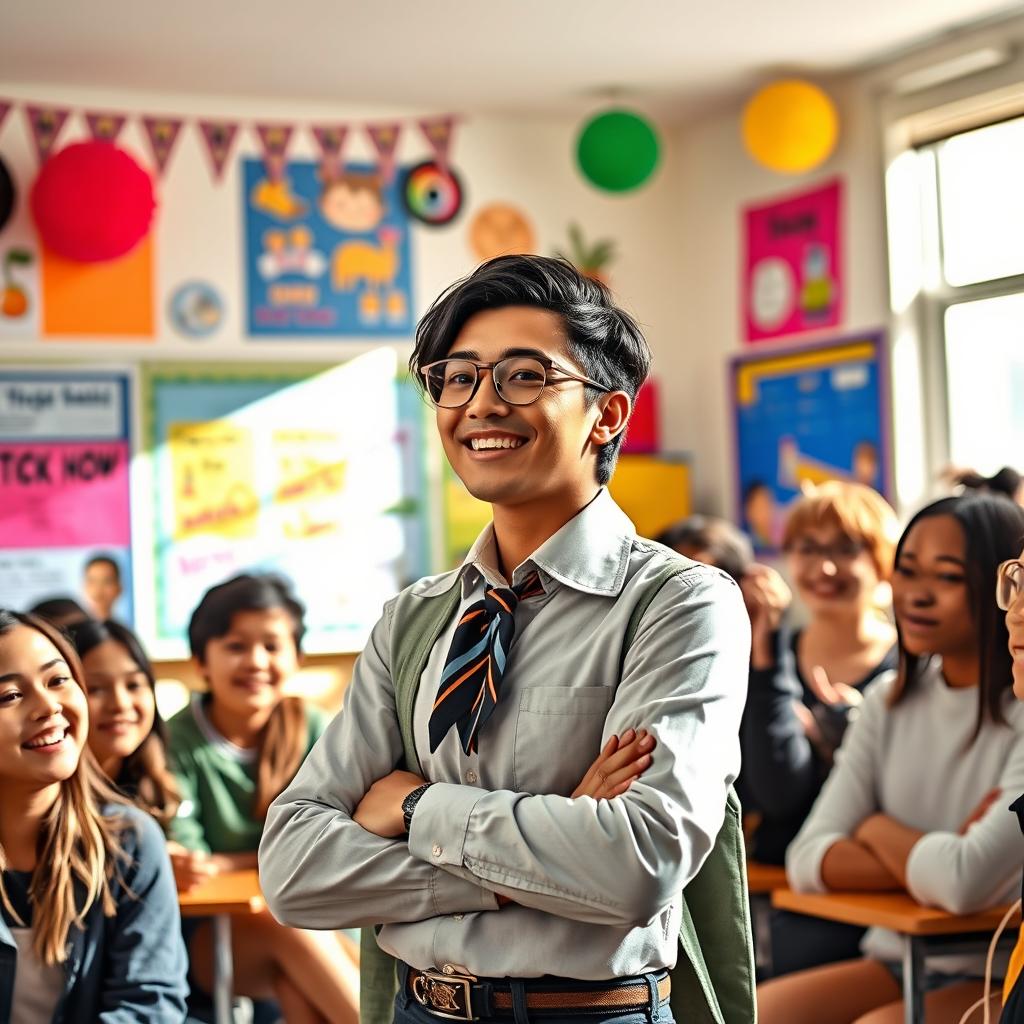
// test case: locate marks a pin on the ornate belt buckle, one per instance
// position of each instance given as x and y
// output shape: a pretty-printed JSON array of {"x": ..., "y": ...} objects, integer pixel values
[{"x": 447, "y": 995}]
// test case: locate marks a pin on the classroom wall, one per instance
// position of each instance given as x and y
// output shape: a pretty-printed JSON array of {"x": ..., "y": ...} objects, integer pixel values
[{"x": 716, "y": 179}]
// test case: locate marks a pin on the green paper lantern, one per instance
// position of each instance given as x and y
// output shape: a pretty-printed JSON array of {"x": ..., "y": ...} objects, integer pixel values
[{"x": 617, "y": 151}]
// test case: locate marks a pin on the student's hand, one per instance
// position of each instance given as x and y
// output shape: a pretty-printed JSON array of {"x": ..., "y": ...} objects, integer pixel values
[
  {"x": 380, "y": 811},
  {"x": 830, "y": 693},
  {"x": 767, "y": 597},
  {"x": 619, "y": 763},
  {"x": 980, "y": 811},
  {"x": 190, "y": 866}
]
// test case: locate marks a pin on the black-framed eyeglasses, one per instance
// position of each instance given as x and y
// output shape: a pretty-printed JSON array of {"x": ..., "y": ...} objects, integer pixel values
[
  {"x": 519, "y": 380},
  {"x": 1009, "y": 583}
]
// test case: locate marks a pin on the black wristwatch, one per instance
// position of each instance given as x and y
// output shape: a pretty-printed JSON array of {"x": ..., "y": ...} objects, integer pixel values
[{"x": 410, "y": 802}]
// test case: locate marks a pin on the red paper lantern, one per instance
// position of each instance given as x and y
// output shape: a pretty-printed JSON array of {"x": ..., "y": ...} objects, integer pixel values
[{"x": 92, "y": 202}]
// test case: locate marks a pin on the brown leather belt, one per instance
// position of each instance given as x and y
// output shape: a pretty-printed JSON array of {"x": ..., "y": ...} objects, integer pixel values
[{"x": 465, "y": 997}]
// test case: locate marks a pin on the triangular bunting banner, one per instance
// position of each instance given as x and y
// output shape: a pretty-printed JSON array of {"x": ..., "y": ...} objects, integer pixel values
[
  {"x": 438, "y": 133},
  {"x": 385, "y": 141},
  {"x": 274, "y": 139},
  {"x": 331, "y": 140},
  {"x": 104, "y": 127},
  {"x": 45, "y": 124},
  {"x": 218, "y": 136},
  {"x": 162, "y": 133},
  {"x": 5, "y": 108}
]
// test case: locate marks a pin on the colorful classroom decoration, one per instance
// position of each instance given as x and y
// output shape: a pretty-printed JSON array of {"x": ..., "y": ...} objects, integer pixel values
[
  {"x": 590, "y": 258},
  {"x": 45, "y": 123},
  {"x": 643, "y": 434},
  {"x": 92, "y": 202},
  {"x": 162, "y": 133},
  {"x": 790, "y": 126},
  {"x": 804, "y": 416},
  {"x": 218, "y": 137},
  {"x": 271, "y": 467},
  {"x": 618, "y": 150},
  {"x": 104, "y": 127},
  {"x": 331, "y": 140},
  {"x": 793, "y": 263},
  {"x": 7, "y": 195},
  {"x": 439, "y": 132},
  {"x": 500, "y": 229},
  {"x": 196, "y": 309},
  {"x": 385, "y": 142},
  {"x": 432, "y": 194},
  {"x": 274, "y": 139},
  {"x": 14, "y": 298},
  {"x": 64, "y": 482},
  {"x": 326, "y": 258},
  {"x": 653, "y": 490}
]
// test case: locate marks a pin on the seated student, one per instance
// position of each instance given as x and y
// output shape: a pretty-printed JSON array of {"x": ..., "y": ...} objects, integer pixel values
[
  {"x": 910, "y": 804},
  {"x": 61, "y": 611},
  {"x": 1010, "y": 598},
  {"x": 126, "y": 733},
  {"x": 839, "y": 541},
  {"x": 233, "y": 750},
  {"x": 711, "y": 540},
  {"x": 88, "y": 913}
]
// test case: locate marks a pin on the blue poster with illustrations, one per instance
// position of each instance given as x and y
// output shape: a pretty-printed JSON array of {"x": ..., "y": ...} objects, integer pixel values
[
  {"x": 326, "y": 257},
  {"x": 803, "y": 417}
]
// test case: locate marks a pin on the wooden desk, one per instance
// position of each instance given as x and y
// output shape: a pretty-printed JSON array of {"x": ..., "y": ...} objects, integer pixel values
[
  {"x": 762, "y": 881},
  {"x": 221, "y": 897},
  {"x": 925, "y": 930}
]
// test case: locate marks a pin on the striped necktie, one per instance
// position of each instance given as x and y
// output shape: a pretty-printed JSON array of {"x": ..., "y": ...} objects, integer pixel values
[{"x": 468, "y": 692}]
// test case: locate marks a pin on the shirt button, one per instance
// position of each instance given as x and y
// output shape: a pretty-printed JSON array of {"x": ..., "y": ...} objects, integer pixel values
[
  {"x": 471, "y": 776},
  {"x": 457, "y": 917},
  {"x": 437, "y": 850},
  {"x": 448, "y": 969}
]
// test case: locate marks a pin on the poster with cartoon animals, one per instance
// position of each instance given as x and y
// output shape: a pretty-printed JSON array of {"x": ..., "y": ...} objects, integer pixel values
[{"x": 326, "y": 255}]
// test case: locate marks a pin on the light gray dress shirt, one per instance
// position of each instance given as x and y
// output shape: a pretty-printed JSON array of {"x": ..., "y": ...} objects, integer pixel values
[{"x": 596, "y": 884}]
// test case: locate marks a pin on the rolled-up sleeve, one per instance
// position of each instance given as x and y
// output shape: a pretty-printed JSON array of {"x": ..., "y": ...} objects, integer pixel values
[
  {"x": 318, "y": 868},
  {"x": 966, "y": 873},
  {"x": 620, "y": 862},
  {"x": 848, "y": 796}
]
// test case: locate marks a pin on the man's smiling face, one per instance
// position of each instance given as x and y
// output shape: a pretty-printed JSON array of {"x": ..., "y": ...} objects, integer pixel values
[{"x": 517, "y": 454}]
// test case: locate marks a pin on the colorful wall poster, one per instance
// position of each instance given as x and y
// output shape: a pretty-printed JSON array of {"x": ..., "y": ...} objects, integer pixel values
[
  {"x": 653, "y": 490},
  {"x": 803, "y": 417},
  {"x": 274, "y": 468},
  {"x": 64, "y": 483},
  {"x": 326, "y": 257},
  {"x": 793, "y": 264}
]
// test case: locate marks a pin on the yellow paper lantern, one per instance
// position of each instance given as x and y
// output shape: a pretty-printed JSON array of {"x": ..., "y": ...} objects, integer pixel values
[{"x": 790, "y": 126}]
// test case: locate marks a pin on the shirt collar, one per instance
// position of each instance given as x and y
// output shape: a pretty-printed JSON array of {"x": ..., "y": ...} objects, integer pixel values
[{"x": 590, "y": 553}]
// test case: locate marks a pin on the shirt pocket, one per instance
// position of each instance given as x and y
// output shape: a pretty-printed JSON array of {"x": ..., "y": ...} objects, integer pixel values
[{"x": 558, "y": 736}]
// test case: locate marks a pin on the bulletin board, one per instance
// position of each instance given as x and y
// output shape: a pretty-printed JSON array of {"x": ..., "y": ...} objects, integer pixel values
[
  {"x": 313, "y": 471},
  {"x": 805, "y": 416},
  {"x": 65, "y": 454}
]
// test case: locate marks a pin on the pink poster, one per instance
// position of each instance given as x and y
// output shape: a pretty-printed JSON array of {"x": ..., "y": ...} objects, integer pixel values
[
  {"x": 64, "y": 495},
  {"x": 793, "y": 266}
]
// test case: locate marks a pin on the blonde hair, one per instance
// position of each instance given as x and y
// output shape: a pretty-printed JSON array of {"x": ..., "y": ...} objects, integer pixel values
[
  {"x": 78, "y": 845},
  {"x": 857, "y": 511}
]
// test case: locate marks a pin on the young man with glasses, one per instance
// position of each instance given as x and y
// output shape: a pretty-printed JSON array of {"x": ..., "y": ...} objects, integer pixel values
[{"x": 514, "y": 875}]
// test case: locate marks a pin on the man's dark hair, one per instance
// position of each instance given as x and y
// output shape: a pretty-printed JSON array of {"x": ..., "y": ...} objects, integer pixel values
[
  {"x": 105, "y": 560},
  {"x": 603, "y": 339},
  {"x": 245, "y": 593},
  {"x": 62, "y": 611},
  {"x": 728, "y": 548}
]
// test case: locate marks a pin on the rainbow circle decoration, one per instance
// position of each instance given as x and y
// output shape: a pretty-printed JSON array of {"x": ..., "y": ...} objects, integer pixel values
[{"x": 432, "y": 194}]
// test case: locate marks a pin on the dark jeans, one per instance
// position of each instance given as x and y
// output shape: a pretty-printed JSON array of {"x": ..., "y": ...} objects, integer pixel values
[{"x": 408, "y": 1011}]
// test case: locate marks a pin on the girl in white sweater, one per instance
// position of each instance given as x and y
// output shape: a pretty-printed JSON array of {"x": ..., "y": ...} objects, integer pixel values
[{"x": 914, "y": 802}]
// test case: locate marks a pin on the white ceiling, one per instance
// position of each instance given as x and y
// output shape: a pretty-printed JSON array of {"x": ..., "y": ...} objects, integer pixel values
[{"x": 668, "y": 56}]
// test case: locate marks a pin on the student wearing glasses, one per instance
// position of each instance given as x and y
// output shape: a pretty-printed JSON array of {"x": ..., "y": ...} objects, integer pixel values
[
  {"x": 1010, "y": 598},
  {"x": 497, "y": 872},
  {"x": 838, "y": 540}
]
